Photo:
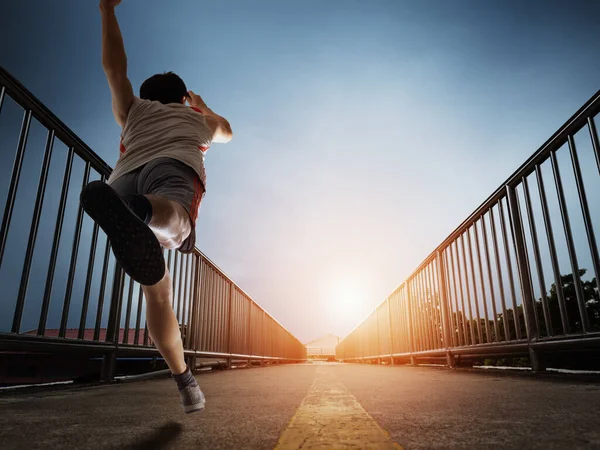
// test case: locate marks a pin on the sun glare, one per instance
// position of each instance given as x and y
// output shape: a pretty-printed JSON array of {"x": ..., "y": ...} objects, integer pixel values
[{"x": 347, "y": 299}]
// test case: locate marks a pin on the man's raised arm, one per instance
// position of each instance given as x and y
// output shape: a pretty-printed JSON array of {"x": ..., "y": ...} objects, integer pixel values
[{"x": 114, "y": 61}]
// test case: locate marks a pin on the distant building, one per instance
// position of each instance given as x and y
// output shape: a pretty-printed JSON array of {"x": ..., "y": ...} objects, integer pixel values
[{"x": 323, "y": 348}]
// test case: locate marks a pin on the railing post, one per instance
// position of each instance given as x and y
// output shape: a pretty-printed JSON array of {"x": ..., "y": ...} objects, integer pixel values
[
  {"x": 109, "y": 361},
  {"x": 193, "y": 321},
  {"x": 389, "y": 308},
  {"x": 411, "y": 337},
  {"x": 378, "y": 340},
  {"x": 524, "y": 278},
  {"x": 229, "y": 324},
  {"x": 441, "y": 273}
]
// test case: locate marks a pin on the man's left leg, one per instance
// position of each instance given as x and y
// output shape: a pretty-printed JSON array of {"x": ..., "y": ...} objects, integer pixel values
[{"x": 169, "y": 185}]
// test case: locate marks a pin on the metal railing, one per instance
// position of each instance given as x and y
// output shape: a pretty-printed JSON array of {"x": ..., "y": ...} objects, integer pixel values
[
  {"x": 89, "y": 304},
  {"x": 484, "y": 291}
]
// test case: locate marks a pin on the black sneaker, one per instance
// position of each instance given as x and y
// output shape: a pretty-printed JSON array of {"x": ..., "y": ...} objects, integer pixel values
[{"x": 133, "y": 243}]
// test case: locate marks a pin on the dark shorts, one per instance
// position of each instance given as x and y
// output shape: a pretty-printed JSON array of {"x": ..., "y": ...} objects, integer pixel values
[{"x": 170, "y": 179}]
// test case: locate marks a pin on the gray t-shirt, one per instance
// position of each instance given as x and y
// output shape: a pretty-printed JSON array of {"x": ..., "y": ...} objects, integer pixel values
[{"x": 154, "y": 130}]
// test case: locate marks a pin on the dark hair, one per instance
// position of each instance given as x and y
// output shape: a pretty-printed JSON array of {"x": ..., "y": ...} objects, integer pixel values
[{"x": 163, "y": 87}]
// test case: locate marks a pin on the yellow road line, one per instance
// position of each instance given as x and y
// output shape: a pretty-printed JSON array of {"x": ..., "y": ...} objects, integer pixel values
[{"x": 330, "y": 417}]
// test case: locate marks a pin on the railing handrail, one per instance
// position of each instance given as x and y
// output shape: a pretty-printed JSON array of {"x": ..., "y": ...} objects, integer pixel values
[{"x": 26, "y": 99}]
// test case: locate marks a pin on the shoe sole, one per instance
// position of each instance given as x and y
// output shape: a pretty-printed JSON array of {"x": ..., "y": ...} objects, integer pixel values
[
  {"x": 194, "y": 408},
  {"x": 133, "y": 243}
]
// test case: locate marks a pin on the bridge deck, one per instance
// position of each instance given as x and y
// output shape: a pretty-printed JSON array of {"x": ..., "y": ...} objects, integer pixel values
[{"x": 313, "y": 406}]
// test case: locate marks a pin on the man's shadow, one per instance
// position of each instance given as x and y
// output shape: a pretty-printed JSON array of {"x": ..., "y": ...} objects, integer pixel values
[{"x": 158, "y": 439}]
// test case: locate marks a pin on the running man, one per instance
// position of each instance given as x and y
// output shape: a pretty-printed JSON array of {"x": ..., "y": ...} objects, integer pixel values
[{"x": 152, "y": 197}]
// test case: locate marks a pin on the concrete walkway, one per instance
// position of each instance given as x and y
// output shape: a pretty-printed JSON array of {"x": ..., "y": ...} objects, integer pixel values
[{"x": 312, "y": 406}]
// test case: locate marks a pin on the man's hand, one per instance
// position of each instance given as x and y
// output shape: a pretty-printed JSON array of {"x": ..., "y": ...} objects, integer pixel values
[
  {"x": 219, "y": 126},
  {"x": 108, "y": 4},
  {"x": 195, "y": 100}
]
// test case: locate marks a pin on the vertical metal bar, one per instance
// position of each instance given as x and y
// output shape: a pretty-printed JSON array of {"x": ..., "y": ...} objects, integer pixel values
[
  {"x": 98, "y": 323},
  {"x": 427, "y": 313},
  {"x": 538, "y": 259},
  {"x": 202, "y": 304},
  {"x": 462, "y": 297},
  {"x": 179, "y": 290},
  {"x": 553, "y": 255},
  {"x": 235, "y": 313},
  {"x": 220, "y": 319},
  {"x": 482, "y": 281},
  {"x": 128, "y": 312},
  {"x": 221, "y": 325},
  {"x": 475, "y": 296},
  {"x": 401, "y": 321},
  {"x": 424, "y": 313},
  {"x": 427, "y": 335},
  {"x": 467, "y": 288},
  {"x": 459, "y": 325},
  {"x": 185, "y": 320},
  {"x": 499, "y": 273},
  {"x": 594, "y": 137},
  {"x": 229, "y": 319},
  {"x": 524, "y": 274},
  {"x": 421, "y": 344},
  {"x": 199, "y": 293},
  {"x": 88, "y": 283},
  {"x": 413, "y": 318},
  {"x": 511, "y": 281},
  {"x": 227, "y": 305},
  {"x": 440, "y": 296},
  {"x": 88, "y": 280},
  {"x": 211, "y": 308},
  {"x": 55, "y": 243},
  {"x": 525, "y": 277},
  {"x": 146, "y": 336},
  {"x": 14, "y": 182},
  {"x": 389, "y": 308},
  {"x": 138, "y": 317},
  {"x": 443, "y": 290},
  {"x": 570, "y": 244},
  {"x": 411, "y": 338},
  {"x": 452, "y": 329},
  {"x": 2, "y": 93},
  {"x": 249, "y": 333},
  {"x": 35, "y": 223},
  {"x": 175, "y": 274},
  {"x": 192, "y": 315},
  {"x": 114, "y": 313},
  {"x": 489, "y": 270},
  {"x": 377, "y": 332},
  {"x": 206, "y": 308},
  {"x": 585, "y": 210},
  {"x": 215, "y": 312},
  {"x": 73, "y": 264},
  {"x": 435, "y": 306}
]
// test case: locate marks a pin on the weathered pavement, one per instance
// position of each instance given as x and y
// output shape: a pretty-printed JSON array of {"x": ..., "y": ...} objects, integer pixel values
[{"x": 316, "y": 406}]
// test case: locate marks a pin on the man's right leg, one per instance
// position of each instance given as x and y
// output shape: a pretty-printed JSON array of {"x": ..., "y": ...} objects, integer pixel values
[{"x": 162, "y": 323}]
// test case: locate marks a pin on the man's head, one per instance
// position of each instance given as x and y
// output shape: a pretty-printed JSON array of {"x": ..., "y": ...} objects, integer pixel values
[{"x": 165, "y": 88}]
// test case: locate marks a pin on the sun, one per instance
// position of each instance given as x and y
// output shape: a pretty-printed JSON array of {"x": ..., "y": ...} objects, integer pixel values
[{"x": 346, "y": 298}]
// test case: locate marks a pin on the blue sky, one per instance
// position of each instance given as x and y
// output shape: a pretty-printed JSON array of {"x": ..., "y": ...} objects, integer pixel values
[{"x": 364, "y": 132}]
